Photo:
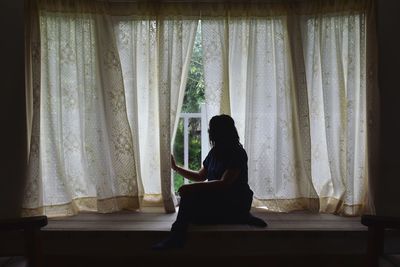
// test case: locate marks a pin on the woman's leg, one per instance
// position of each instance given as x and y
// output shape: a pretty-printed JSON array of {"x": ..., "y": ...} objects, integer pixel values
[
  {"x": 214, "y": 208},
  {"x": 238, "y": 211},
  {"x": 188, "y": 206}
]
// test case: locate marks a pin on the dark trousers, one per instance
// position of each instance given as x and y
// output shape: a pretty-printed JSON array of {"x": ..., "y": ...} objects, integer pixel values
[{"x": 212, "y": 208}]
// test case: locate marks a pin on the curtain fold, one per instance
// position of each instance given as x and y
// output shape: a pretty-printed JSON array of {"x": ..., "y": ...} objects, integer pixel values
[
  {"x": 155, "y": 56},
  {"x": 215, "y": 66},
  {"x": 176, "y": 43},
  {"x": 335, "y": 56}
]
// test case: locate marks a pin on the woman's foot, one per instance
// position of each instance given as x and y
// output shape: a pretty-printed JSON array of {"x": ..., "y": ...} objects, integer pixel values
[
  {"x": 173, "y": 241},
  {"x": 255, "y": 221}
]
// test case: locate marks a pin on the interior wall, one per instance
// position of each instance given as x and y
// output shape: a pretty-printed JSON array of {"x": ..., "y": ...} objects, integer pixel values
[
  {"x": 12, "y": 107},
  {"x": 388, "y": 191}
]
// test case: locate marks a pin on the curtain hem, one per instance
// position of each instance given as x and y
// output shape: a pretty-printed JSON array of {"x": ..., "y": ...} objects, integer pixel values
[
  {"x": 322, "y": 205},
  {"x": 86, "y": 204}
]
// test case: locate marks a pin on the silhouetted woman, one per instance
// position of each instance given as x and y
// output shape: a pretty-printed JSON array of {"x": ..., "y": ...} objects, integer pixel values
[{"x": 226, "y": 196}]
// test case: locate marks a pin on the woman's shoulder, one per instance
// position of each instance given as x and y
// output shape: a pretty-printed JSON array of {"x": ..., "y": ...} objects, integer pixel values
[
  {"x": 241, "y": 152},
  {"x": 210, "y": 156},
  {"x": 237, "y": 156},
  {"x": 211, "y": 152},
  {"x": 236, "y": 153}
]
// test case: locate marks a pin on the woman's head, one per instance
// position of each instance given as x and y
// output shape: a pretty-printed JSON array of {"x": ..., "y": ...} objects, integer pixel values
[{"x": 222, "y": 131}]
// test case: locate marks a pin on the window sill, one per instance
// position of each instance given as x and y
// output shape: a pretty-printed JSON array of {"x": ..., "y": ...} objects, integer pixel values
[{"x": 154, "y": 219}]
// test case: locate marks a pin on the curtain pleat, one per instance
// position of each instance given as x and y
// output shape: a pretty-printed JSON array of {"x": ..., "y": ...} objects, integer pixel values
[
  {"x": 176, "y": 41},
  {"x": 155, "y": 56}
]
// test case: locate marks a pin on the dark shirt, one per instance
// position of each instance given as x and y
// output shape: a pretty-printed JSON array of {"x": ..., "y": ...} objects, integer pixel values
[{"x": 234, "y": 160}]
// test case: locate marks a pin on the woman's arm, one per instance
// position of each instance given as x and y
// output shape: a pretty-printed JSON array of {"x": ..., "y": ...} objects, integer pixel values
[
  {"x": 229, "y": 176},
  {"x": 195, "y": 176}
]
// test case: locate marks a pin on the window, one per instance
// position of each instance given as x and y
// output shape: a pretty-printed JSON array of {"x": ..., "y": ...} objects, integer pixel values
[{"x": 107, "y": 91}]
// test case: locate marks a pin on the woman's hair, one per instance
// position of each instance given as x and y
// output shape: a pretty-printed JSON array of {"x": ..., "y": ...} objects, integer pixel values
[{"x": 223, "y": 135}]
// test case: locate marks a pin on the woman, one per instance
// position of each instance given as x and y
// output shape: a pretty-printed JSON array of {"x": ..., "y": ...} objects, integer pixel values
[{"x": 226, "y": 196}]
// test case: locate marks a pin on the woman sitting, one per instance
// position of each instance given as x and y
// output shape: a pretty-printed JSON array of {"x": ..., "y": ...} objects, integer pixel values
[{"x": 226, "y": 196}]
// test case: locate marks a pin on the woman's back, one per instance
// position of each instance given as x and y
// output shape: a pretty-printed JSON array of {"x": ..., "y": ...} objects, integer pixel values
[{"x": 216, "y": 166}]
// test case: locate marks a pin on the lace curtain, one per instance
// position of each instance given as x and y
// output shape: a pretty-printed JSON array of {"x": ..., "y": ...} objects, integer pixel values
[
  {"x": 296, "y": 86},
  {"x": 154, "y": 90},
  {"x": 105, "y": 92}
]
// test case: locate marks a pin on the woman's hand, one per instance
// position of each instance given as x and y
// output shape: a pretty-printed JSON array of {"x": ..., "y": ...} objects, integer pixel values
[
  {"x": 173, "y": 163},
  {"x": 195, "y": 176}
]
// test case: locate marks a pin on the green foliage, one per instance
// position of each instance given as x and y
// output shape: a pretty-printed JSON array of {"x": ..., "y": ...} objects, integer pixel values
[
  {"x": 194, "y": 94},
  {"x": 194, "y": 97},
  {"x": 178, "y": 153},
  {"x": 194, "y": 149}
]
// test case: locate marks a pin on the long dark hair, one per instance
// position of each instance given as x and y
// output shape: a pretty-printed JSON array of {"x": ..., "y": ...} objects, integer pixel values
[{"x": 223, "y": 135}]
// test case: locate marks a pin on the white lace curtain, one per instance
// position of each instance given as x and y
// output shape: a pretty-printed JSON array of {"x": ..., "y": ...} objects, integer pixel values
[
  {"x": 296, "y": 86},
  {"x": 155, "y": 57},
  {"x": 105, "y": 92},
  {"x": 106, "y": 82}
]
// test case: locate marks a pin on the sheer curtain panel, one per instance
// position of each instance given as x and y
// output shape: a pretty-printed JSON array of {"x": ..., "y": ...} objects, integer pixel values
[
  {"x": 155, "y": 56},
  {"x": 105, "y": 93},
  {"x": 262, "y": 100},
  {"x": 295, "y": 80}
]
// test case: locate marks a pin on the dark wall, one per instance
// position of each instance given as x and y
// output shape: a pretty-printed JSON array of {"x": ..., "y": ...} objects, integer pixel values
[
  {"x": 388, "y": 191},
  {"x": 12, "y": 106}
]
